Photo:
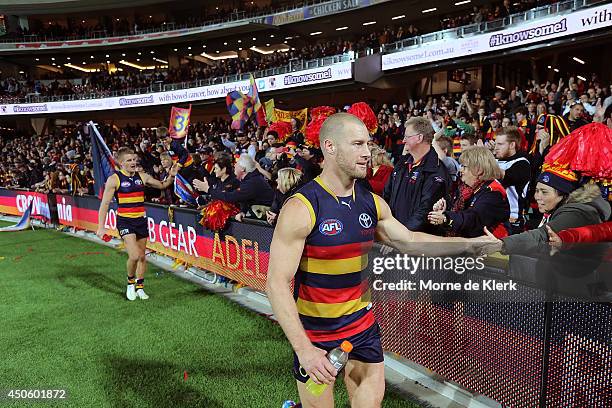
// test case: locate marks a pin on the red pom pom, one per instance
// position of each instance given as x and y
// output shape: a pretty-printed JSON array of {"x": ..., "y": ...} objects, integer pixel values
[
  {"x": 283, "y": 129},
  {"x": 323, "y": 111},
  {"x": 311, "y": 137},
  {"x": 587, "y": 150},
  {"x": 363, "y": 111},
  {"x": 216, "y": 213}
]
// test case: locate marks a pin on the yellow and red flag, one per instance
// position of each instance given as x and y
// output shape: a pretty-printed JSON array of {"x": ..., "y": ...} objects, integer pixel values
[{"x": 179, "y": 122}]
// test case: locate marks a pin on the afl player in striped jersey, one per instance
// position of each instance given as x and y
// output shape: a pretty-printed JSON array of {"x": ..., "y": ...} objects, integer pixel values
[
  {"x": 127, "y": 186},
  {"x": 322, "y": 239}
]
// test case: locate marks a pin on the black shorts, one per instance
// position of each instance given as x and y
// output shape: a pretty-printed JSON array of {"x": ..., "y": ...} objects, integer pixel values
[
  {"x": 366, "y": 348},
  {"x": 137, "y": 226}
]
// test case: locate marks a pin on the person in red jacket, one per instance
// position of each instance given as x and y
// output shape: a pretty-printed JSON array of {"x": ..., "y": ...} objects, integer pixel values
[
  {"x": 379, "y": 170},
  {"x": 589, "y": 233}
]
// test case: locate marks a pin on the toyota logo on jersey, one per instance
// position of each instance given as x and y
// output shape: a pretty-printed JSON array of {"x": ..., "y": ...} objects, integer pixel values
[{"x": 330, "y": 227}]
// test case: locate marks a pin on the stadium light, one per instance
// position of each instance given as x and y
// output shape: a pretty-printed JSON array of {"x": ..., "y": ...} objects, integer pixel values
[
  {"x": 175, "y": 50},
  {"x": 140, "y": 67},
  {"x": 189, "y": 47},
  {"x": 139, "y": 53},
  {"x": 254, "y": 38},
  {"x": 461, "y": 3},
  {"x": 52, "y": 58},
  {"x": 160, "y": 60},
  {"x": 152, "y": 52},
  {"x": 239, "y": 41},
  {"x": 271, "y": 35},
  {"x": 37, "y": 59},
  {"x": 398, "y": 17},
  {"x": 341, "y": 28},
  {"x": 578, "y": 60},
  {"x": 500, "y": 87},
  {"x": 369, "y": 23},
  {"x": 556, "y": 70},
  {"x": 91, "y": 56},
  {"x": 429, "y": 10},
  {"x": 316, "y": 33},
  {"x": 549, "y": 67},
  {"x": 225, "y": 43},
  {"x": 288, "y": 38},
  {"x": 220, "y": 57},
  {"x": 581, "y": 77}
]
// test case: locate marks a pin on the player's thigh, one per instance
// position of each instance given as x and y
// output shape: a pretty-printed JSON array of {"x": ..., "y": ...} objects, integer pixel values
[
  {"x": 308, "y": 400},
  {"x": 365, "y": 383},
  {"x": 132, "y": 246},
  {"x": 142, "y": 244}
]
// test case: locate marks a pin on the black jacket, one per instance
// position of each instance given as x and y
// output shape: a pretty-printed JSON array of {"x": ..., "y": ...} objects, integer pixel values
[
  {"x": 253, "y": 190},
  {"x": 412, "y": 192},
  {"x": 488, "y": 207}
]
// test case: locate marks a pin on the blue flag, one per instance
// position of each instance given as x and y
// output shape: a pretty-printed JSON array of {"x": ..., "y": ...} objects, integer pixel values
[
  {"x": 184, "y": 191},
  {"x": 103, "y": 163}
]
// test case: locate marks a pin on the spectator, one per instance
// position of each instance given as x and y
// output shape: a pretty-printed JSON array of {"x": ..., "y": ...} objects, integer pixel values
[
  {"x": 224, "y": 180},
  {"x": 379, "y": 170},
  {"x": 564, "y": 205},
  {"x": 488, "y": 205},
  {"x": 288, "y": 182},
  {"x": 516, "y": 173},
  {"x": 253, "y": 189},
  {"x": 306, "y": 162},
  {"x": 419, "y": 179},
  {"x": 574, "y": 117}
]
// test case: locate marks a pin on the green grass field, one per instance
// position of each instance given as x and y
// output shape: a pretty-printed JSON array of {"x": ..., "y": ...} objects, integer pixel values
[{"x": 65, "y": 324}]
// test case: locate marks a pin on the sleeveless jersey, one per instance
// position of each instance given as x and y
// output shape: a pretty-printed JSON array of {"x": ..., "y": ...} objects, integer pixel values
[
  {"x": 331, "y": 285},
  {"x": 130, "y": 196}
]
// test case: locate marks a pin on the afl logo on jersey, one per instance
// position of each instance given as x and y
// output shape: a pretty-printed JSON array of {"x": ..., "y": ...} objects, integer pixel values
[
  {"x": 330, "y": 227},
  {"x": 125, "y": 184}
]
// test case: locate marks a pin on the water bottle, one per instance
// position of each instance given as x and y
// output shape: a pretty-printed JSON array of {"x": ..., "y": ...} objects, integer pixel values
[{"x": 338, "y": 357}]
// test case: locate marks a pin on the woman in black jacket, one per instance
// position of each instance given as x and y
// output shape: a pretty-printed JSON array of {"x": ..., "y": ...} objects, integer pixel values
[{"x": 486, "y": 206}]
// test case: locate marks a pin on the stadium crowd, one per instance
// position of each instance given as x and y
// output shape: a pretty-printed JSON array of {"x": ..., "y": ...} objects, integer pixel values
[
  {"x": 102, "y": 83},
  {"x": 510, "y": 131}
]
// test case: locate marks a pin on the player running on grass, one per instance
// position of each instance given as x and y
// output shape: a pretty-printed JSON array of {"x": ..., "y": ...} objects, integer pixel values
[
  {"x": 127, "y": 186},
  {"x": 322, "y": 238}
]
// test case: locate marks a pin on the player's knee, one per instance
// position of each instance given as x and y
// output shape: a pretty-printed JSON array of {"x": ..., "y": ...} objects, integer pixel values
[{"x": 142, "y": 258}]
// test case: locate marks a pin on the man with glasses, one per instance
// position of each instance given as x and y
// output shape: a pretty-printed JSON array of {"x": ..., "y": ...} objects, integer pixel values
[{"x": 419, "y": 178}]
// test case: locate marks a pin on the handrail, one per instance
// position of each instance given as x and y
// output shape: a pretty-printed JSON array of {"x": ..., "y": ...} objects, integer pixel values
[
  {"x": 293, "y": 66},
  {"x": 487, "y": 26}
]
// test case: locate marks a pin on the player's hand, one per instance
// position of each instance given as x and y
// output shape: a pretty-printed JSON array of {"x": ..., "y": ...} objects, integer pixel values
[
  {"x": 486, "y": 244},
  {"x": 314, "y": 361},
  {"x": 271, "y": 217},
  {"x": 101, "y": 232}
]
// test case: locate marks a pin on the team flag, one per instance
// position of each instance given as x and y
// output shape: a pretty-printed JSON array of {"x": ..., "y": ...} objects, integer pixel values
[
  {"x": 179, "y": 122},
  {"x": 103, "y": 163},
  {"x": 184, "y": 190},
  {"x": 258, "y": 112},
  {"x": 236, "y": 103}
]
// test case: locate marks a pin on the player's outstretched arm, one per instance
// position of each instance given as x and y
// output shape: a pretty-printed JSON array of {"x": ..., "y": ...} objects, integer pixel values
[
  {"x": 392, "y": 232},
  {"x": 293, "y": 226},
  {"x": 153, "y": 182},
  {"x": 111, "y": 185}
]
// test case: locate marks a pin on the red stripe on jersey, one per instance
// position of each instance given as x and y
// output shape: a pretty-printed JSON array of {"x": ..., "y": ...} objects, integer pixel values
[
  {"x": 122, "y": 210},
  {"x": 128, "y": 195},
  {"x": 337, "y": 251},
  {"x": 352, "y": 329},
  {"x": 322, "y": 295}
]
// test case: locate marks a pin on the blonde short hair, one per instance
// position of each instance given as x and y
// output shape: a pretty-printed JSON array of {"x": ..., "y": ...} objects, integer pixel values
[
  {"x": 479, "y": 159},
  {"x": 287, "y": 178},
  {"x": 380, "y": 157}
]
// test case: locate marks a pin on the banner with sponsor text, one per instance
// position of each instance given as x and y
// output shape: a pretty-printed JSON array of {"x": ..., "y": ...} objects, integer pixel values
[
  {"x": 519, "y": 35},
  {"x": 16, "y": 202},
  {"x": 330, "y": 73}
]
